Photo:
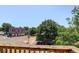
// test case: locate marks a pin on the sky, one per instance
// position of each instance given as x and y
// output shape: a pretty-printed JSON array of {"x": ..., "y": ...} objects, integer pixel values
[{"x": 33, "y": 15}]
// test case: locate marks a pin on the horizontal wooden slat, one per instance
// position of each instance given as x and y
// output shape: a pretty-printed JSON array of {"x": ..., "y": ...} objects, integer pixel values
[{"x": 16, "y": 49}]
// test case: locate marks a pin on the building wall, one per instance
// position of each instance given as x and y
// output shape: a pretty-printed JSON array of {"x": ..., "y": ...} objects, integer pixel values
[{"x": 16, "y": 31}]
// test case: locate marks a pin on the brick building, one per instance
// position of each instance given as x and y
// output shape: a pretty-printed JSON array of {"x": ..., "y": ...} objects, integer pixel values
[{"x": 16, "y": 32}]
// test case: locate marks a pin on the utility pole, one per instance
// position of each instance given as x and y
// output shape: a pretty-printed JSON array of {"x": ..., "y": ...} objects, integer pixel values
[{"x": 28, "y": 35}]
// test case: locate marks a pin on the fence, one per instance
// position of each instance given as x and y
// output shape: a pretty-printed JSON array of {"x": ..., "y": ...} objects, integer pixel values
[{"x": 38, "y": 49}]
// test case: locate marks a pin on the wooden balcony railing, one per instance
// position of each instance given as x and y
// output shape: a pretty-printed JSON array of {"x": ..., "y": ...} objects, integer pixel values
[{"x": 38, "y": 49}]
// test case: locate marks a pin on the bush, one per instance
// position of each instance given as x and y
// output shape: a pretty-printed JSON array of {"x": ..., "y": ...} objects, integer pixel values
[
  {"x": 66, "y": 38},
  {"x": 59, "y": 41}
]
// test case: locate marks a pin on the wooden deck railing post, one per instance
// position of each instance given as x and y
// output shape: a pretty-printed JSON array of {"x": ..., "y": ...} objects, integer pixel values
[
  {"x": 1, "y": 50},
  {"x": 19, "y": 50},
  {"x": 15, "y": 51},
  {"x": 34, "y": 51},
  {"x": 29, "y": 51},
  {"x": 24, "y": 51},
  {"x": 10, "y": 50},
  {"x": 5, "y": 50}
]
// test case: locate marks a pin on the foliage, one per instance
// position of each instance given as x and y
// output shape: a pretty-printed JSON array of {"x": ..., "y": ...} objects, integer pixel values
[
  {"x": 61, "y": 28},
  {"x": 26, "y": 30},
  {"x": 74, "y": 20},
  {"x": 66, "y": 38},
  {"x": 47, "y": 30},
  {"x": 0, "y": 28},
  {"x": 59, "y": 41},
  {"x": 6, "y": 27},
  {"x": 33, "y": 31}
]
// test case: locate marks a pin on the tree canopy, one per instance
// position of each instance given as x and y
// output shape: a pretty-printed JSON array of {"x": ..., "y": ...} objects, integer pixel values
[
  {"x": 6, "y": 27},
  {"x": 47, "y": 30}
]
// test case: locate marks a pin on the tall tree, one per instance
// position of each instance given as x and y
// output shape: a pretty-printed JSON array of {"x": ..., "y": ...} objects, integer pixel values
[
  {"x": 6, "y": 27},
  {"x": 75, "y": 18},
  {"x": 47, "y": 31}
]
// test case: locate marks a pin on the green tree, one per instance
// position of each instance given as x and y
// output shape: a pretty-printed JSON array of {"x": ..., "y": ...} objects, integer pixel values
[
  {"x": 33, "y": 31},
  {"x": 47, "y": 31},
  {"x": 69, "y": 22},
  {"x": 61, "y": 28},
  {"x": 0, "y": 28},
  {"x": 74, "y": 21},
  {"x": 6, "y": 27},
  {"x": 26, "y": 30}
]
